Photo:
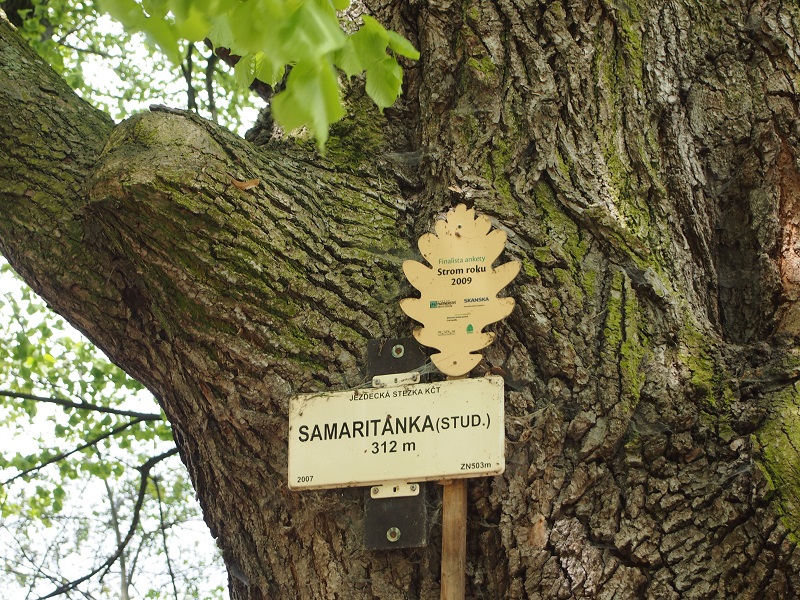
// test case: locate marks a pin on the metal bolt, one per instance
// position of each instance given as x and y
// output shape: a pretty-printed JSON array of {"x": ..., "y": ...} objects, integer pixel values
[
  {"x": 398, "y": 350},
  {"x": 393, "y": 534},
  {"x": 413, "y": 487},
  {"x": 375, "y": 491}
]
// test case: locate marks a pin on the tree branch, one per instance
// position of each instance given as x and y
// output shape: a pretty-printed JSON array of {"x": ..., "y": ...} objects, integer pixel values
[
  {"x": 162, "y": 527},
  {"x": 89, "y": 51},
  {"x": 211, "y": 69},
  {"x": 85, "y": 406},
  {"x": 186, "y": 70},
  {"x": 118, "y": 535},
  {"x": 144, "y": 470},
  {"x": 64, "y": 455},
  {"x": 35, "y": 566}
]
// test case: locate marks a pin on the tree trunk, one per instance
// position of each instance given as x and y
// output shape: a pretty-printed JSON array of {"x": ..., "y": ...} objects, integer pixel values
[{"x": 642, "y": 161}]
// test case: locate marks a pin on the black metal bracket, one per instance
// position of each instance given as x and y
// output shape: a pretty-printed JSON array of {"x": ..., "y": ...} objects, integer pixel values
[{"x": 402, "y": 521}]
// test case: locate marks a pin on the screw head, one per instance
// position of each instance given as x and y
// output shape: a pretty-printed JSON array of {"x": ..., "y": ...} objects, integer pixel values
[
  {"x": 398, "y": 350},
  {"x": 393, "y": 534},
  {"x": 413, "y": 487},
  {"x": 375, "y": 491}
]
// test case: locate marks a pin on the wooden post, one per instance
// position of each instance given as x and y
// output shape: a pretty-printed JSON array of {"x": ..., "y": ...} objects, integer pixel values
[
  {"x": 454, "y": 540},
  {"x": 458, "y": 298},
  {"x": 454, "y": 535}
]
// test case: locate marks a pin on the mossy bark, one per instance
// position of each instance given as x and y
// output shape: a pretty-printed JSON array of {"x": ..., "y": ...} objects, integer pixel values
[{"x": 642, "y": 160}]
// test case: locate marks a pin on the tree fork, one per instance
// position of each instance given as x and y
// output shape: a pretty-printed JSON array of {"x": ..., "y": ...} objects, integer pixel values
[{"x": 634, "y": 154}]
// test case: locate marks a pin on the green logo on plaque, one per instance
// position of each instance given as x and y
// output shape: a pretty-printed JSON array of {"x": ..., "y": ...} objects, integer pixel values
[{"x": 470, "y": 329}]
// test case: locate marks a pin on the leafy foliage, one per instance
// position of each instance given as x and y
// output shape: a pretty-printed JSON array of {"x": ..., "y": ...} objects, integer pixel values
[
  {"x": 122, "y": 71},
  {"x": 75, "y": 432},
  {"x": 270, "y": 35},
  {"x": 268, "y": 38}
]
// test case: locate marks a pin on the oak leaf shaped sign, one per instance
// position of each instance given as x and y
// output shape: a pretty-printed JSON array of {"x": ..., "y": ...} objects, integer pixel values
[{"x": 459, "y": 290}]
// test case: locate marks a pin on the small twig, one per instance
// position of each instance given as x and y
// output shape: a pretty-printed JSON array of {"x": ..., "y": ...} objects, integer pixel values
[
  {"x": 85, "y": 406},
  {"x": 123, "y": 573},
  {"x": 64, "y": 455},
  {"x": 164, "y": 537},
  {"x": 91, "y": 51}
]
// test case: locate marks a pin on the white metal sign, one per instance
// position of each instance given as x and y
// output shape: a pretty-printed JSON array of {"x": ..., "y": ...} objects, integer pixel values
[{"x": 426, "y": 431}]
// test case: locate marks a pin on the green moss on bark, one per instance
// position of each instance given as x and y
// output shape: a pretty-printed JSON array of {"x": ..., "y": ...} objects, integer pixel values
[
  {"x": 709, "y": 379},
  {"x": 359, "y": 138},
  {"x": 624, "y": 338},
  {"x": 780, "y": 443}
]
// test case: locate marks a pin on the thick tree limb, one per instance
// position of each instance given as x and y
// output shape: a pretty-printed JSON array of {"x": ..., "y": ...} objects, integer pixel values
[{"x": 283, "y": 280}]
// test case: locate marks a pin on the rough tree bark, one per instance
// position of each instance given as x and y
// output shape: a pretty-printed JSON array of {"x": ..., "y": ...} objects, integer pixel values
[{"x": 642, "y": 160}]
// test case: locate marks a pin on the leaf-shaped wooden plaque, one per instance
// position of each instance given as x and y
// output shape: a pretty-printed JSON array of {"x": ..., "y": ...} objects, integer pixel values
[{"x": 459, "y": 290}]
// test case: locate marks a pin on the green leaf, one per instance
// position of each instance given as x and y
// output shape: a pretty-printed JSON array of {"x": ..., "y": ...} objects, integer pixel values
[
  {"x": 402, "y": 46},
  {"x": 194, "y": 26},
  {"x": 133, "y": 18},
  {"x": 165, "y": 37},
  {"x": 127, "y": 12},
  {"x": 243, "y": 71},
  {"x": 156, "y": 8},
  {"x": 257, "y": 66},
  {"x": 372, "y": 39},
  {"x": 384, "y": 81},
  {"x": 348, "y": 59},
  {"x": 341, "y": 4},
  {"x": 214, "y": 8},
  {"x": 370, "y": 42},
  {"x": 311, "y": 32},
  {"x": 267, "y": 70},
  {"x": 253, "y": 24},
  {"x": 372, "y": 24},
  {"x": 221, "y": 35},
  {"x": 181, "y": 8},
  {"x": 311, "y": 99}
]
